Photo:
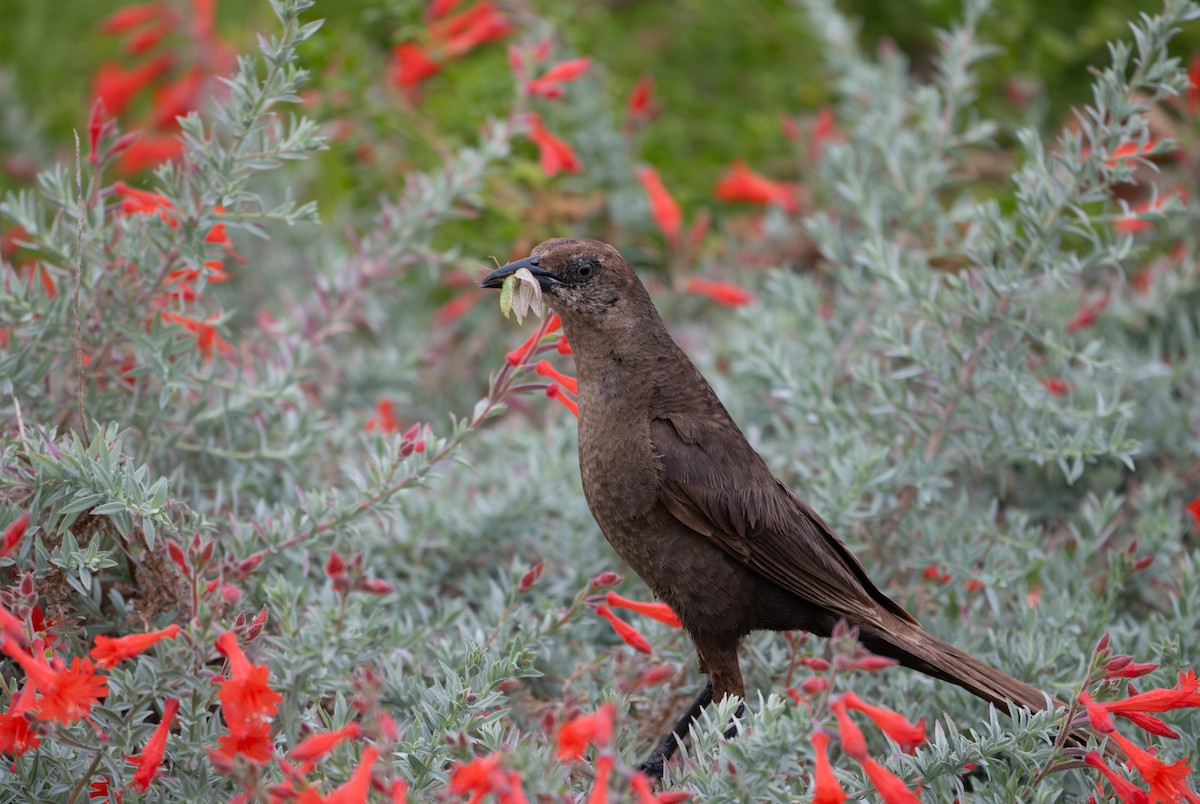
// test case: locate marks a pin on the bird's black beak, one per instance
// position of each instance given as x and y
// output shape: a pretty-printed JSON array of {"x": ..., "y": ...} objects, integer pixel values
[{"x": 496, "y": 278}]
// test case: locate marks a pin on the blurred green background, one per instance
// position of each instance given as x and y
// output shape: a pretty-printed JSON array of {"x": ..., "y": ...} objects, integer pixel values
[{"x": 50, "y": 51}]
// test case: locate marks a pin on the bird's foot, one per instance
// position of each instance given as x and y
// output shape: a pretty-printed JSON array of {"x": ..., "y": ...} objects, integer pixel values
[{"x": 653, "y": 765}]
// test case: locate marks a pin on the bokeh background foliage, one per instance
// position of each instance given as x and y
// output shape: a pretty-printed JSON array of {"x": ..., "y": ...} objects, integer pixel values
[{"x": 963, "y": 345}]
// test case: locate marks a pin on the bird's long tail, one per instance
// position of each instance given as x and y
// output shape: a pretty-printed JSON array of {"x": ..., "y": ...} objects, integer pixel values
[{"x": 919, "y": 650}]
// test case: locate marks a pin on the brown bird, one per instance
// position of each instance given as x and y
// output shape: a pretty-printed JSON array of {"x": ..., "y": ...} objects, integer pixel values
[{"x": 686, "y": 501}]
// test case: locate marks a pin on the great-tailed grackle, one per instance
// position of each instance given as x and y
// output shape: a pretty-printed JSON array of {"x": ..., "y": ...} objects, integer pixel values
[{"x": 686, "y": 501}]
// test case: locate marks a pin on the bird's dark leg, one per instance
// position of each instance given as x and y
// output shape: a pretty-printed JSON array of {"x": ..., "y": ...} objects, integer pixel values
[{"x": 653, "y": 766}]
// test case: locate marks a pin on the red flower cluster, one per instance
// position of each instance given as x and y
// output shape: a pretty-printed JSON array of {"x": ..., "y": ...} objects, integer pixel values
[
  {"x": 484, "y": 775},
  {"x": 448, "y": 36},
  {"x": 351, "y": 576},
  {"x": 177, "y": 89},
  {"x": 247, "y": 702},
  {"x": 574, "y": 735},
  {"x": 1165, "y": 782},
  {"x": 891, "y": 789},
  {"x": 183, "y": 283},
  {"x": 554, "y": 154},
  {"x": 384, "y": 421},
  {"x": 65, "y": 694},
  {"x": 564, "y": 389}
]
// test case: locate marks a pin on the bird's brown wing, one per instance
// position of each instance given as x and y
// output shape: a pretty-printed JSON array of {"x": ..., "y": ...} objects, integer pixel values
[{"x": 755, "y": 518}]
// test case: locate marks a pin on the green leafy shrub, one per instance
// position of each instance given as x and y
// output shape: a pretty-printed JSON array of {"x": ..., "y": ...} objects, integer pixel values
[{"x": 227, "y": 423}]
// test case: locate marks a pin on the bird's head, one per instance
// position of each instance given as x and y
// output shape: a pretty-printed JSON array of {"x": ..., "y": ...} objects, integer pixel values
[{"x": 583, "y": 280}]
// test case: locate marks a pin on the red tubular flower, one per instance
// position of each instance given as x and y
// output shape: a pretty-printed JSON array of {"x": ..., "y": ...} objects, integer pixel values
[
  {"x": 825, "y": 787},
  {"x": 1056, "y": 385},
  {"x": 824, "y": 130},
  {"x": 1097, "y": 714},
  {"x": 640, "y": 784},
  {"x": 1087, "y": 315},
  {"x": 384, "y": 419},
  {"x": 853, "y": 742},
  {"x": 411, "y": 64},
  {"x": 178, "y": 98},
  {"x": 358, "y": 786},
  {"x": 640, "y": 106},
  {"x": 608, "y": 578},
  {"x": 1126, "y": 791},
  {"x": 869, "y": 664},
  {"x": 724, "y": 293},
  {"x": 1193, "y": 93},
  {"x": 479, "y": 24},
  {"x": 205, "y": 332},
  {"x": 67, "y": 694},
  {"x": 1184, "y": 695},
  {"x": 152, "y": 754},
  {"x": 1193, "y": 508},
  {"x": 563, "y": 347},
  {"x": 814, "y": 684},
  {"x": 517, "y": 356},
  {"x": 531, "y": 576},
  {"x": 1167, "y": 782},
  {"x": 13, "y": 533},
  {"x": 439, "y": 8},
  {"x": 909, "y": 735},
  {"x": 484, "y": 775},
  {"x": 454, "y": 309},
  {"x": 740, "y": 183},
  {"x": 658, "y": 611},
  {"x": 16, "y": 737},
  {"x": 654, "y": 675},
  {"x": 1131, "y": 150},
  {"x": 108, "y": 651},
  {"x": 544, "y": 368},
  {"x": 147, "y": 39},
  {"x": 130, "y": 17},
  {"x": 117, "y": 87},
  {"x": 550, "y": 84},
  {"x": 99, "y": 790},
  {"x": 554, "y": 154},
  {"x": 148, "y": 151},
  {"x": 135, "y": 201},
  {"x": 245, "y": 696},
  {"x": 315, "y": 746},
  {"x": 1133, "y": 222},
  {"x": 95, "y": 127},
  {"x": 1123, "y": 666},
  {"x": 599, "y": 794},
  {"x": 251, "y": 741},
  {"x": 556, "y": 392},
  {"x": 596, "y": 728},
  {"x": 892, "y": 789},
  {"x": 663, "y": 207}
]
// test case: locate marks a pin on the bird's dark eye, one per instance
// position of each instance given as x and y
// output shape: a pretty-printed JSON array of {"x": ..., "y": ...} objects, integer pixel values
[{"x": 585, "y": 268}]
